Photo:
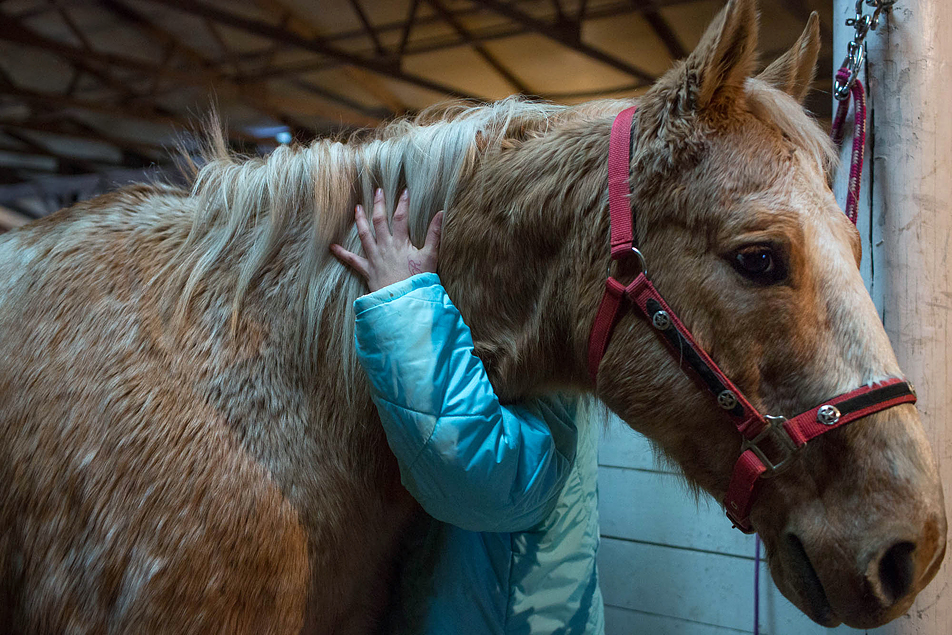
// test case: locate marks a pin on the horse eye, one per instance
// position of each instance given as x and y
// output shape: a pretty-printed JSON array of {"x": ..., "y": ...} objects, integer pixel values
[{"x": 759, "y": 263}]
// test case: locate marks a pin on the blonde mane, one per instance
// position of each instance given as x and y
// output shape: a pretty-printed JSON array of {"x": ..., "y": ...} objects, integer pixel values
[{"x": 307, "y": 193}]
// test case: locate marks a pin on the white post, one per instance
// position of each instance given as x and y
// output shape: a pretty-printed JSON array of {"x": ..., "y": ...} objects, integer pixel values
[{"x": 909, "y": 270}]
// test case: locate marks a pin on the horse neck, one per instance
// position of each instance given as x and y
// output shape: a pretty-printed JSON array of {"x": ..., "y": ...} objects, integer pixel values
[{"x": 517, "y": 257}]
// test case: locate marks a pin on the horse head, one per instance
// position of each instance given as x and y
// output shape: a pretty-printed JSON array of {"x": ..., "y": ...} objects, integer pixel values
[{"x": 743, "y": 237}]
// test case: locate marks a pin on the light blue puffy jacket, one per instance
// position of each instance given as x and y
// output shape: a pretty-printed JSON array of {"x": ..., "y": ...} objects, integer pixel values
[{"x": 514, "y": 485}]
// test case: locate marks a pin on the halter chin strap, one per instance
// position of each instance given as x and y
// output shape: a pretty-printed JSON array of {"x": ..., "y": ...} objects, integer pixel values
[{"x": 769, "y": 443}]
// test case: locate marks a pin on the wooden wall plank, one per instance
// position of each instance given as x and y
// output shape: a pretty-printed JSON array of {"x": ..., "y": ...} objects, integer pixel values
[
  {"x": 620, "y": 446},
  {"x": 705, "y": 588},
  {"x": 659, "y": 508},
  {"x": 619, "y": 621}
]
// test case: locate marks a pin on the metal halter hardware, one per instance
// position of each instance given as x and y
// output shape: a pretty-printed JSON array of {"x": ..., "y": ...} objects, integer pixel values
[
  {"x": 784, "y": 436},
  {"x": 856, "y": 51},
  {"x": 775, "y": 432}
]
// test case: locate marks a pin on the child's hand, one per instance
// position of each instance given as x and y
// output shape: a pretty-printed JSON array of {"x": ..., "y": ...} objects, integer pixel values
[{"x": 390, "y": 258}]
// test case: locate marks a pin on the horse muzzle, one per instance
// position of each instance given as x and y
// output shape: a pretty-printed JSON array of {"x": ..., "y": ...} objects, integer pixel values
[{"x": 864, "y": 575}]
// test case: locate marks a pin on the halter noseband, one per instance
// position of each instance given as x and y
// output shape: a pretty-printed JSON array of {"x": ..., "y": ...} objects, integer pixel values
[{"x": 769, "y": 443}]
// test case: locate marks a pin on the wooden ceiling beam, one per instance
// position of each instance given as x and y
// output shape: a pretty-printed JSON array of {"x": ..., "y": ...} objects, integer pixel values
[
  {"x": 481, "y": 50},
  {"x": 306, "y": 27},
  {"x": 81, "y": 58},
  {"x": 368, "y": 27},
  {"x": 67, "y": 164},
  {"x": 205, "y": 68},
  {"x": 566, "y": 35},
  {"x": 134, "y": 111},
  {"x": 408, "y": 27},
  {"x": 86, "y": 132},
  {"x": 433, "y": 45},
  {"x": 661, "y": 27},
  {"x": 139, "y": 153},
  {"x": 196, "y": 75},
  {"x": 127, "y": 111},
  {"x": 71, "y": 24},
  {"x": 269, "y": 31}
]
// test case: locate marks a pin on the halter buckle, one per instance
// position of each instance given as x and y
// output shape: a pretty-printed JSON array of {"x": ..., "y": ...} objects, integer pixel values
[{"x": 780, "y": 443}]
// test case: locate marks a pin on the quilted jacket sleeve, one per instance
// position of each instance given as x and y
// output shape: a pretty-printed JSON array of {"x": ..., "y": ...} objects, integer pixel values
[{"x": 468, "y": 460}]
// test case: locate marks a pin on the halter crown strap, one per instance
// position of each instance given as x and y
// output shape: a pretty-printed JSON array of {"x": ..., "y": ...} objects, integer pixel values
[
  {"x": 619, "y": 190},
  {"x": 622, "y": 236}
]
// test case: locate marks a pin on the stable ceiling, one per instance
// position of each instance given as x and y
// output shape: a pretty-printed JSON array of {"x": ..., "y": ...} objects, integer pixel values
[{"x": 94, "y": 91}]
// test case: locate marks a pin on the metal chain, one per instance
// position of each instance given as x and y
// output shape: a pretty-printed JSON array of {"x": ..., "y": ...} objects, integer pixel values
[{"x": 856, "y": 51}]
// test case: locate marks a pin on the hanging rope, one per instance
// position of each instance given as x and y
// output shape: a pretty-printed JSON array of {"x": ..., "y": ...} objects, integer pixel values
[
  {"x": 847, "y": 84},
  {"x": 859, "y": 140}
]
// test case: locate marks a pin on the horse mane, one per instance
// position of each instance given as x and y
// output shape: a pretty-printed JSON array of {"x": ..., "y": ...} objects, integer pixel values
[{"x": 305, "y": 195}]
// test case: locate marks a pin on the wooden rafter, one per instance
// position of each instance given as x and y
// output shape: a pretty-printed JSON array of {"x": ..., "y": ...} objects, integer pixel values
[
  {"x": 71, "y": 24},
  {"x": 661, "y": 27},
  {"x": 306, "y": 27},
  {"x": 566, "y": 36},
  {"x": 76, "y": 129},
  {"x": 66, "y": 164},
  {"x": 133, "y": 111},
  {"x": 481, "y": 50},
  {"x": 439, "y": 43},
  {"x": 408, "y": 27},
  {"x": 81, "y": 58},
  {"x": 266, "y": 30},
  {"x": 368, "y": 27},
  {"x": 194, "y": 75}
]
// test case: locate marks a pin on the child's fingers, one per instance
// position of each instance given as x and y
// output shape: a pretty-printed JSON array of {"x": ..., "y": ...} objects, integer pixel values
[
  {"x": 433, "y": 233},
  {"x": 379, "y": 218},
  {"x": 401, "y": 219},
  {"x": 363, "y": 231},
  {"x": 352, "y": 260}
]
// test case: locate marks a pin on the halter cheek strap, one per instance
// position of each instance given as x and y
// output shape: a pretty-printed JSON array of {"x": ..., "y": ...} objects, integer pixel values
[{"x": 769, "y": 443}]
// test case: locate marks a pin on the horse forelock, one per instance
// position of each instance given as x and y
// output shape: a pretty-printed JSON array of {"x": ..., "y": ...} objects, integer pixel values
[{"x": 778, "y": 109}]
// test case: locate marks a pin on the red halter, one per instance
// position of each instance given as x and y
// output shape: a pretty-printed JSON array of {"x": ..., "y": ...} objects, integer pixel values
[{"x": 769, "y": 443}]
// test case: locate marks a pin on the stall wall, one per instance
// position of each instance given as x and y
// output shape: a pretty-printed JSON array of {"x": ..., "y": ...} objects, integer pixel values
[{"x": 671, "y": 564}]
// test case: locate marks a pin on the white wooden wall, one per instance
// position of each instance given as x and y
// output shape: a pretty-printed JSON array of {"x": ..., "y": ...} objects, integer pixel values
[{"x": 670, "y": 565}]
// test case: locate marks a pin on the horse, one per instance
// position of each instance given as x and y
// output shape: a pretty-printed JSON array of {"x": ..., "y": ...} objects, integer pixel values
[{"x": 188, "y": 444}]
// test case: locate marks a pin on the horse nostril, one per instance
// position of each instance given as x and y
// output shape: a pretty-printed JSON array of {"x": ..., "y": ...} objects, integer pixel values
[{"x": 897, "y": 571}]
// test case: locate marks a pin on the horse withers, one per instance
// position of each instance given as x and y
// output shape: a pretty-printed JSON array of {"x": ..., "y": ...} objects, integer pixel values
[{"x": 187, "y": 444}]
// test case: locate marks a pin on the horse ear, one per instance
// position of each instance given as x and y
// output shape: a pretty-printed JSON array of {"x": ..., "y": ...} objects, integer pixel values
[
  {"x": 714, "y": 73},
  {"x": 793, "y": 71},
  {"x": 726, "y": 54}
]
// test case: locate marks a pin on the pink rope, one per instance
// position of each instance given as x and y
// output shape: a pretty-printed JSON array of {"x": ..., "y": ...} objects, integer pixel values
[{"x": 859, "y": 140}]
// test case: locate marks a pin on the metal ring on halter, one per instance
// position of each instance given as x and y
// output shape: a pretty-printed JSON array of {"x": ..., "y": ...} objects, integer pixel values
[
  {"x": 641, "y": 260},
  {"x": 642, "y": 263}
]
